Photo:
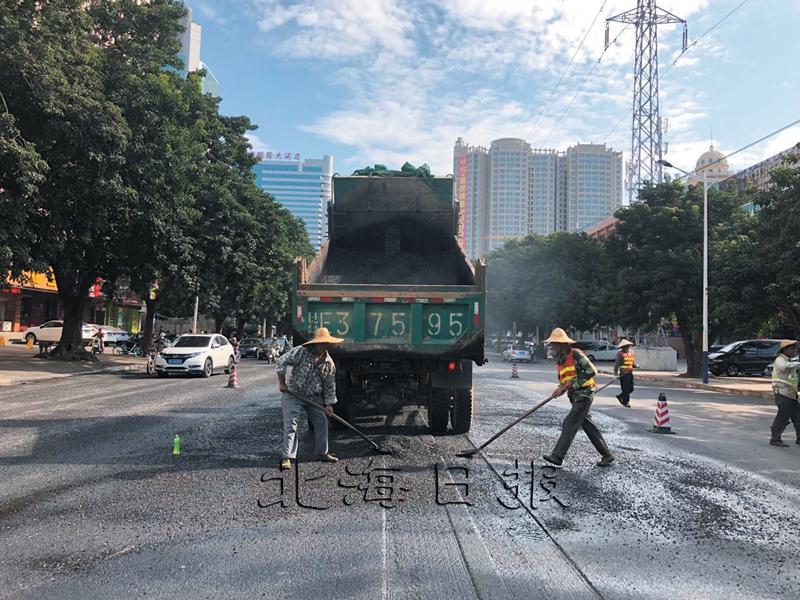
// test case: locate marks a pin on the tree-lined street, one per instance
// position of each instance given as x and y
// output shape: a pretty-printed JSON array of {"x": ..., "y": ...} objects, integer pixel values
[{"x": 94, "y": 504}]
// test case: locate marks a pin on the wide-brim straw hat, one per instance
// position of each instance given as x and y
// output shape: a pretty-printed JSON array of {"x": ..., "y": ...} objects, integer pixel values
[
  {"x": 559, "y": 336},
  {"x": 787, "y": 343},
  {"x": 624, "y": 343},
  {"x": 323, "y": 336}
]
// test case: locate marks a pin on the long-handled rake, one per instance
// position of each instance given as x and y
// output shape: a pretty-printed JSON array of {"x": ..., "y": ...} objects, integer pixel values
[
  {"x": 352, "y": 428},
  {"x": 468, "y": 453}
]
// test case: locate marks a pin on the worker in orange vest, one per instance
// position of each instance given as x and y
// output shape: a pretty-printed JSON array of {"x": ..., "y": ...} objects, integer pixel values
[
  {"x": 576, "y": 379},
  {"x": 623, "y": 367}
]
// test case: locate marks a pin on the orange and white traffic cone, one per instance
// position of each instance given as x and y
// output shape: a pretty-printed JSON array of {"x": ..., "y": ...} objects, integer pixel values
[
  {"x": 661, "y": 424},
  {"x": 514, "y": 371},
  {"x": 233, "y": 380}
]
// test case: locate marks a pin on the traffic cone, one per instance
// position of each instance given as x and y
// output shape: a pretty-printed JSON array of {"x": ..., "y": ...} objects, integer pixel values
[
  {"x": 514, "y": 371},
  {"x": 661, "y": 424},
  {"x": 233, "y": 380}
]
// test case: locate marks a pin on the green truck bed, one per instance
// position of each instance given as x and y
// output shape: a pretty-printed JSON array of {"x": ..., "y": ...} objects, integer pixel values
[{"x": 392, "y": 279}]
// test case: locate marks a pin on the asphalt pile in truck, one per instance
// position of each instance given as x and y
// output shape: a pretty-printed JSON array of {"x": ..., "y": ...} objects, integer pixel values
[{"x": 409, "y": 268}]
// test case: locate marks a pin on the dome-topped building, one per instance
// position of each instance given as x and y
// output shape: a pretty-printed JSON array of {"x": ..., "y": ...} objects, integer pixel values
[{"x": 712, "y": 165}]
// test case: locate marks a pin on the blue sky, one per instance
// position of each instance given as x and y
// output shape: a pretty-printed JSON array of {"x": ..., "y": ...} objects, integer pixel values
[{"x": 385, "y": 81}]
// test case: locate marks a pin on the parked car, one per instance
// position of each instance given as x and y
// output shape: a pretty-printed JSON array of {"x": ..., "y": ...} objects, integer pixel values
[
  {"x": 111, "y": 335},
  {"x": 519, "y": 354},
  {"x": 51, "y": 332},
  {"x": 195, "y": 354},
  {"x": 250, "y": 346},
  {"x": 586, "y": 345},
  {"x": 601, "y": 351},
  {"x": 746, "y": 356}
]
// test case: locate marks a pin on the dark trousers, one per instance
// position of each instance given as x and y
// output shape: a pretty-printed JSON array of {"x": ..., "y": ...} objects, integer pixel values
[
  {"x": 788, "y": 410},
  {"x": 578, "y": 418},
  {"x": 626, "y": 383}
]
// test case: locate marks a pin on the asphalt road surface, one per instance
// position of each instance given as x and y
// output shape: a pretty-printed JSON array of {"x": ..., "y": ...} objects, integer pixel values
[{"x": 93, "y": 504}]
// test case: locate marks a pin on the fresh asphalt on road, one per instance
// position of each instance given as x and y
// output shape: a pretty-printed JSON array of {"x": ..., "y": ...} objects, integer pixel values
[{"x": 93, "y": 504}]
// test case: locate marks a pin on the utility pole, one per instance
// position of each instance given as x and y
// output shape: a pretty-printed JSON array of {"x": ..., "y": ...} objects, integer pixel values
[{"x": 646, "y": 130}]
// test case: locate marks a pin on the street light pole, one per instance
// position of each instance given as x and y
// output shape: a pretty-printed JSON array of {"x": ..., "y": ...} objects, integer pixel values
[
  {"x": 705, "y": 261},
  {"x": 705, "y": 280}
]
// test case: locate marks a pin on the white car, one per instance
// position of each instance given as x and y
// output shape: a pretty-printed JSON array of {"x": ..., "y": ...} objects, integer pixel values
[
  {"x": 51, "y": 332},
  {"x": 111, "y": 335},
  {"x": 602, "y": 351},
  {"x": 200, "y": 354},
  {"x": 517, "y": 355}
]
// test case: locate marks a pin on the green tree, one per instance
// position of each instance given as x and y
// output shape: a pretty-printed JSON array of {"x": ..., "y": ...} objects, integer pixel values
[
  {"x": 52, "y": 71},
  {"x": 777, "y": 246},
  {"x": 22, "y": 170},
  {"x": 656, "y": 254},
  {"x": 544, "y": 281}
]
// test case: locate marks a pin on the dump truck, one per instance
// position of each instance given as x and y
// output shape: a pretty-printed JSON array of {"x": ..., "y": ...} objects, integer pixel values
[{"x": 394, "y": 283}]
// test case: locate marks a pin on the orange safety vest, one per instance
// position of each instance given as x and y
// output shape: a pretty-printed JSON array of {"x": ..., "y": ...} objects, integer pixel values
[
  {"x": 628, "y": 360},
  {"x": 566, "y": 371}
]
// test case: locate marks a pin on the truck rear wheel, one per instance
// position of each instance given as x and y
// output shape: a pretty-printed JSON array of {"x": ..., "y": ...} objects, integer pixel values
[
  {"x": 461, "y": 411},
  {"x": 344, "y": 404},
  {"x": 438, "y": 409}
]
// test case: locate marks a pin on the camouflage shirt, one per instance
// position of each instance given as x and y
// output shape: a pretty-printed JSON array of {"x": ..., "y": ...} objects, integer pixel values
[
  {"x": 309, "y": 379},
  {"x": 584, "y": 371}
]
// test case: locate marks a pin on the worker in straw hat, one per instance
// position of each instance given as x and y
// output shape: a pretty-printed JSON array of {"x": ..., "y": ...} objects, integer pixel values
[
  {"x": 784, "y": 385},
  {"x": 576, "y": 379},
  {"x": 623, "y": 367},
  {"x": 313, "y": 377}
]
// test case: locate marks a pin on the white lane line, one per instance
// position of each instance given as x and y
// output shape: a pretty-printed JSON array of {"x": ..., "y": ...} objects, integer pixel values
[{"x": 384, "y": 566}]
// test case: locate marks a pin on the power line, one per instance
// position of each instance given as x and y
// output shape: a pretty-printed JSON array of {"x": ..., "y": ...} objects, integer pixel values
[
  {"x": 583, "y": 83},
  {"x": 742, "y": 149},
  {"x": 566, "y": 70},
  {"x": 680, "y": 55}
]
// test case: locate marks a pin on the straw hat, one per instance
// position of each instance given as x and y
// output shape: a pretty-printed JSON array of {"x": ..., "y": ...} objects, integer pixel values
[
  {"x": 559, "y": 336},
  {"x": 624, "y": 343},
  {"x": 786, "y": 344},
  {"x": 323, "y": 336}
]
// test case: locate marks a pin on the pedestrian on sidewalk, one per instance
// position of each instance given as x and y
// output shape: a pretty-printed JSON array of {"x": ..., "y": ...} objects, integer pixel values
[
  {"x": 623, "y": 367},
  {"x": 97, "y": 341},
  {"x": 313, "y": 377},
  {"x": 576, "y": 379},
  {"x": 784, "y": 384}
]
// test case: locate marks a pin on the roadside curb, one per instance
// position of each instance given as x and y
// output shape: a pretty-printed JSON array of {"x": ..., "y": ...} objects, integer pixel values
[
  {"x": 683, "y": 383},
  {"x": 7, "y": 381}
]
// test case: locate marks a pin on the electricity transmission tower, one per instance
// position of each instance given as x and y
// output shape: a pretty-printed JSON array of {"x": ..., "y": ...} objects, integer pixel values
[{"x": 646, "y": 131}]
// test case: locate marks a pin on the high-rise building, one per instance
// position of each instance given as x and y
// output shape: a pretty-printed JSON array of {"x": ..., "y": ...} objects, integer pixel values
[
  {"x": 471, "y": 176},
  {"x": 594, "y": 184},
  {"x": 512, "y": 190},
  {"x": 509, "y": 191},
  {"x": 302, "y": 186},
  {"x": 548, "y": 191},
  {"x": 191, "y": 41}
]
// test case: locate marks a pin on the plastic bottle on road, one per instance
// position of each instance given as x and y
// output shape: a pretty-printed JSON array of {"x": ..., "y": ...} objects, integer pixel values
[{"x": 176, "y": 446}]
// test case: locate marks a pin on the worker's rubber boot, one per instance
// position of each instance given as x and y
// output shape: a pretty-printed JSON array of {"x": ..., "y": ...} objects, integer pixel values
[
  {"x": 606, "y": 460},
  {"x": 778, "y": 442},
  {"x": 328, "y": 458},
  {"x": 286, "y": 464},
  {"x": 553, "y": 459}
]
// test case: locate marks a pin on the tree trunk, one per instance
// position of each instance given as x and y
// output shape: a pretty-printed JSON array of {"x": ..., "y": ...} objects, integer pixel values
[
  {"x": 149, "y": 324},
  {"x": 218, "y": 321},
  {"x": 240, "y": 329},
  {"x": 73, "y": 291},
  {"x": 694, "y": 354}
]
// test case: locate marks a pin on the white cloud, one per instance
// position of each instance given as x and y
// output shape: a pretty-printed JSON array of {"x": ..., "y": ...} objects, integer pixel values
[
  {"x": 327, "y": 29},
  {"x": 256, "y": 142},
  {"x": 415, "y": 75}
]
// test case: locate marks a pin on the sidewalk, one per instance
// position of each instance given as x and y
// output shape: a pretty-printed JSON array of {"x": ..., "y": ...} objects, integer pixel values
[
  {"x": 760, "y": 387},
  {"x": 19, "y": 365}
]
